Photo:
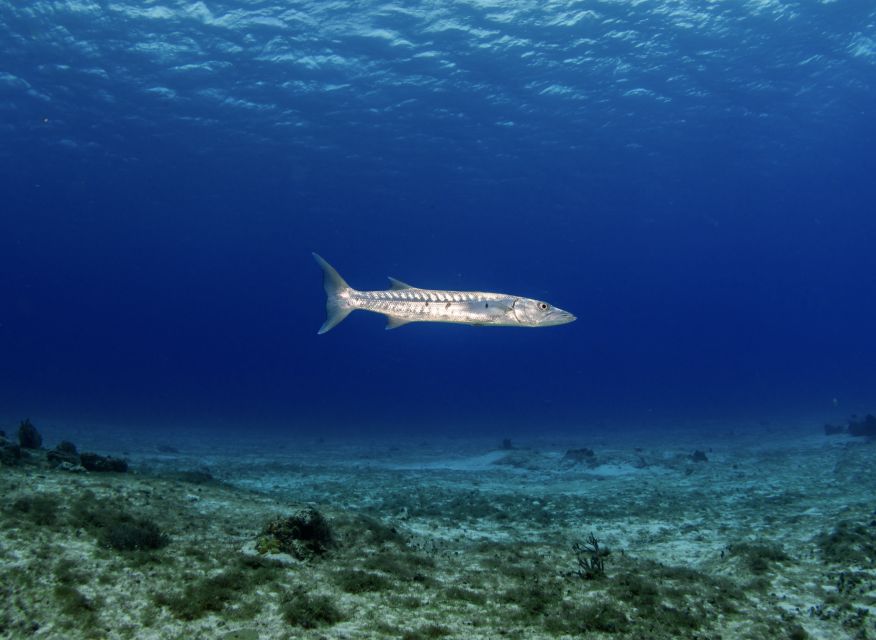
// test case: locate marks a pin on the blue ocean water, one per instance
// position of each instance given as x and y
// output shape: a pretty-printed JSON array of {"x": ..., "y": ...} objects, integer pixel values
[{"x": 693, "y": 180}]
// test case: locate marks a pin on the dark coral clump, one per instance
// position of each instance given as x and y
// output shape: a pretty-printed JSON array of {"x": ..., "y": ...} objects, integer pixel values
[
  {"x": 579, "y": 456},
  {"x": 10, "y": 454},
  {"x": 95, "y": 462},
  {"x": 28, "y": 436},
  {"x": 303, "y": 535},
  {"x": 858, "y": 427},
  {"x": 64, "y": 452},
  {"x": 863, "y": 427},
  {"x": 193, "y": 476},
  {"x": 65, "y": 446}
]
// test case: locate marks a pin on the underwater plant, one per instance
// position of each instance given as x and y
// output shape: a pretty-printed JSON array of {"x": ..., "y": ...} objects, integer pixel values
[
  {"x": 590, "y": 558},
  {"x": 28, "y": 436}
]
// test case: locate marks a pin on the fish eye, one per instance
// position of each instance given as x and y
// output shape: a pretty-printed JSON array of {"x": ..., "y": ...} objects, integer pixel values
[{"x": 543, "y": 306}]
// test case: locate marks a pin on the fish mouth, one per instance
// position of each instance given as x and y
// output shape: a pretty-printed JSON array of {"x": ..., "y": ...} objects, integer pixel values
[{"x": 562, "y": 317}]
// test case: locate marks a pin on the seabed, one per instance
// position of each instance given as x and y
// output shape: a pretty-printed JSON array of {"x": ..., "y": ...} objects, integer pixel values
[{"x": 762, "y": 534}]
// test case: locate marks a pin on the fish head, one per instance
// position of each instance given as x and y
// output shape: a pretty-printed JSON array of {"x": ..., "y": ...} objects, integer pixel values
[{"x": 537, "y": 313}]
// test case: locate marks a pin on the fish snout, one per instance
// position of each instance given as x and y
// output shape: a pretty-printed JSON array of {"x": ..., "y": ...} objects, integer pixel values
[{"x": 563, "y": 317}]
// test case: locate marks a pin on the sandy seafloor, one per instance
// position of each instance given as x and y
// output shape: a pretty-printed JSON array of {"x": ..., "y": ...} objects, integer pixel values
[{"x": 774, "y": 536}]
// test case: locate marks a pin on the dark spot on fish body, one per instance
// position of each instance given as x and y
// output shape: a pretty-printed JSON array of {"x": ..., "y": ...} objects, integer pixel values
[
  {"x": 447, "y": 305},
  {"x": 486, "y": 305}
]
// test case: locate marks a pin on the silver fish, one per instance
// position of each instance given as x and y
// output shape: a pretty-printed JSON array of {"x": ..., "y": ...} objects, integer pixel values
[{"x": 403, "y": 303}]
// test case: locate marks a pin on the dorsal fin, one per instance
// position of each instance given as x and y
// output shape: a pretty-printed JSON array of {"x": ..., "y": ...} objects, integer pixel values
[{"x": 395, "y": 285}]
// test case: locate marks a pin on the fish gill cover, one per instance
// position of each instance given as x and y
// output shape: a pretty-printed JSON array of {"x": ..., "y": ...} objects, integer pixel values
[{"x": 693, "y": 180}]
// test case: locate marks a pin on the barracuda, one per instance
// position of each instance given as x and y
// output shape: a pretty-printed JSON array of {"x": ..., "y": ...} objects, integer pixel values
[{"x": 403, "y": 303}]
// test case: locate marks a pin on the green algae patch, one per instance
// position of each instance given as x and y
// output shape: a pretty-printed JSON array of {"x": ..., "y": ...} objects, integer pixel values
[
  {"x": 368, "y": 530},
  {"x": 849, "y": 543},
  {"x": 208, "y": 595},
  {"x": 357, "y": 581},
  {"x": 759, "y": 557},
  {"x": 668, "y": 601},
  {"x": 403, "y": 566},
  {"x": 229, "y": 591},
  {"x": 426, "y": 632},
  {"x": 501, "y": 571},
  {"x": 41, "y": 510},
  {"x": 79, "y": 611},
  {"x": 583, "y": 618},
  {"x": 114, "y": 526},
  {"x": 300, "y": 609},
  {"x": 133, "y": 535},
  {"x": 534, "y": 598},
  {"x": 241, "y": 634},
  {"x": 461, "y": 594},
  {"x": 69, "y": 572}
]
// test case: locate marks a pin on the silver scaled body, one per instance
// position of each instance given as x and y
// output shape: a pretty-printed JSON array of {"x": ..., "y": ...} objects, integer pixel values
[{"x": 403, "y": 303}]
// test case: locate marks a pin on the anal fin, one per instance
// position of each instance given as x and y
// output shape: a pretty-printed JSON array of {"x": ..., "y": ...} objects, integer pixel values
[{"x": 393, "y": 322}]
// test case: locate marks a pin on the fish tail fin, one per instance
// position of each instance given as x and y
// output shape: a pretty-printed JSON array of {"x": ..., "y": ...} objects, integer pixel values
[{"x": 336, "y": 308}]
